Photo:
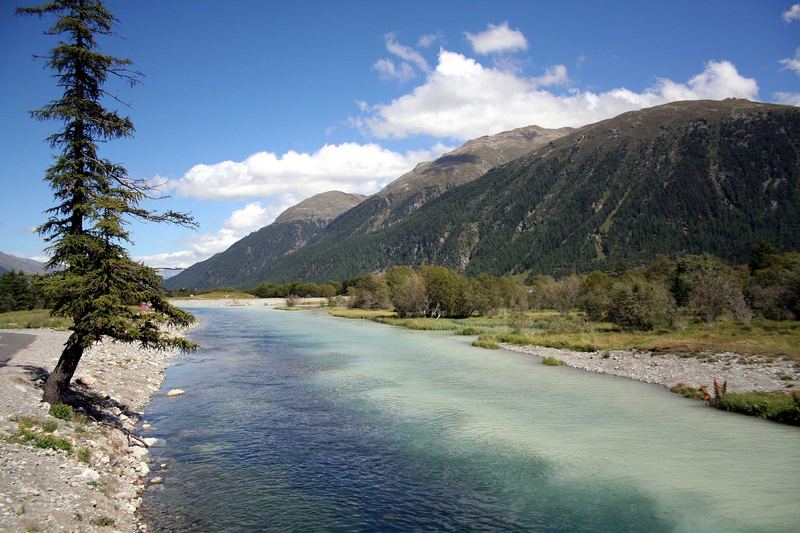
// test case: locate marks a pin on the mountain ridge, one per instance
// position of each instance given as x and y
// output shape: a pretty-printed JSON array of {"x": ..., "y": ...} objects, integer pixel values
[{"x": 685, "y": 177}]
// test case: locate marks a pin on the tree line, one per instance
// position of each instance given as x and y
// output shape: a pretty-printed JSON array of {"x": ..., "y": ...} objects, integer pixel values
[
  {"x": 656, "y": 295},
  {"x": 22, "y": 292}
]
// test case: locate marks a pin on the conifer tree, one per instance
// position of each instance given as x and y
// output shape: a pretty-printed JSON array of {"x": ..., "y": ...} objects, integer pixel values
[{"x": 94, "y": 281}]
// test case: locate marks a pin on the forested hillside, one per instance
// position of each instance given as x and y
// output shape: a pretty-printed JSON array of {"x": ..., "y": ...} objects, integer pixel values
[{"x": 685, "y": 177}]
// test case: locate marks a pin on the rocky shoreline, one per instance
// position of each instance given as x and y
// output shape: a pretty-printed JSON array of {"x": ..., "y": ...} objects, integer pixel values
[
  {"x": 97, "y": 485},
  {"x": 743, "y": 373}
]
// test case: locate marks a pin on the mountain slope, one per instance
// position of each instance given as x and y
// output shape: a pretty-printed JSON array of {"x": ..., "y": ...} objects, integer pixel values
[
  {"x": 682, "y": 177},
  {"x": 246, "y": 261},
  {"x": 428, "y": 180},
  {"x": 12, "y": 262}
]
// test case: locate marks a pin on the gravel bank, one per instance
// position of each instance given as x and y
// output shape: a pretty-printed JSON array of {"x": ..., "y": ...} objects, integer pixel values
[
  {"x": 50, "y": 490},
  {"x": 743, "y": 374}
]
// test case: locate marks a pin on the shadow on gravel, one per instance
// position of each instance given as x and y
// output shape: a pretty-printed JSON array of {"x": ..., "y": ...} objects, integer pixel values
[{"x": 99, "y": 408}]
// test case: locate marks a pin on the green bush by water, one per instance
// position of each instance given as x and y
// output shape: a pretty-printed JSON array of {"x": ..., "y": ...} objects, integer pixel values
[{"x": 776, "y": 406}]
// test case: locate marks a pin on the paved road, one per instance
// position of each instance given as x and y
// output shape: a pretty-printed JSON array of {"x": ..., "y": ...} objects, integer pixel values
[{"x": 11, "y": 343}]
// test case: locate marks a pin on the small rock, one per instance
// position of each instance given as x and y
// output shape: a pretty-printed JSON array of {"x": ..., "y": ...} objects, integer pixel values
[
  {"x": 176, "y": 392},
  {"x": 150, "y": 441},
  {"x": 90, "y": 474},
  {"x": 118, "y": 439},
  {"x": 139, "y": 452},
  {"x": 156, "y": 480},
  {"x": 86, "y": 380}
]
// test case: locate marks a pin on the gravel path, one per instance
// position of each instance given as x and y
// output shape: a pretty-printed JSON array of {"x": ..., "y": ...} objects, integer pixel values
[
  {"x": 50, "y": 490},
  {"x": 743, "y": 374}
]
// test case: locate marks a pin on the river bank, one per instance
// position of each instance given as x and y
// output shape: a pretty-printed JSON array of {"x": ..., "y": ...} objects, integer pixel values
[
  {"x": 742, "y": 374},
  {"x": 96, "y": 485}
]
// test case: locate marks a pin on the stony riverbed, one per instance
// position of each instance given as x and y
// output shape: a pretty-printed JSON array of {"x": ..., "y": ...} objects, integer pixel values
[{"x": 96, "y": 486}]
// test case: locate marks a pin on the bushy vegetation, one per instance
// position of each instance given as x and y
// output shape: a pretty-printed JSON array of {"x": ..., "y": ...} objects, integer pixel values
[
  {"x": 662, "y": 295},
  {"x": 777, "y": 406},
  {"x": 302, "y": 289},
  {"x": 62, "y": 411}
]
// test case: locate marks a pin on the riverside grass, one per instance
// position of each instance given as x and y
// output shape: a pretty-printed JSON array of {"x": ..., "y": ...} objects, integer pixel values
[
  {"x": 33, "y": 319},
  {"x": 765, "y": 338}
]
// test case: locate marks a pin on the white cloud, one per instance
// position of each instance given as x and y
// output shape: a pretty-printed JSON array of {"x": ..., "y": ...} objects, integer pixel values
[
  {"x": 463, "y": 99},
  {"x": 555, "y": 75},
  {"x": 792, "y": 14},
  {"x": 389, "y": 70},
  {"x": 350, "y": 167},
  {"x": 788, "y": 98},
  {"x": 241, "y": 222},
  {"x": 792, "y": 63},
  {"x": 497, "y": 38},
  {"x": 428, "y": 39},
  {"x": 406, "y": 53}
]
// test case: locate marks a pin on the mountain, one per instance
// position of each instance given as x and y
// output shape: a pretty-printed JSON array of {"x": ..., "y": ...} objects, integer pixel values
[
  {"x": 12, "y": 262},
  {"x": 244, "y": 263},
  {"x": 396, "y": 201},
  {"x": 685, "y": 177},
  {"x": 428, "y": 180}
]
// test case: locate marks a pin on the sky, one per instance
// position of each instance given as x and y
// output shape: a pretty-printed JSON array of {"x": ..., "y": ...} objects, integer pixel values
[{"x": 247, "y": 107}]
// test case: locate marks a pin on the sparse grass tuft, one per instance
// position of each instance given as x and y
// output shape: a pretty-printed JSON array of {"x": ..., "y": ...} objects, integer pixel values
[
  {"x": 552, "y": 361},
  {"x": 103, "y": 521},
  {"x": 62, "y": 411},
  {"x": 85, "y": 455},
  {"x": 49, "y": 426}
]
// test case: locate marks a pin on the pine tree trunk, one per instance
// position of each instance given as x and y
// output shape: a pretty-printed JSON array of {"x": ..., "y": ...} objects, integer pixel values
[{"x": 58, "y": 382}]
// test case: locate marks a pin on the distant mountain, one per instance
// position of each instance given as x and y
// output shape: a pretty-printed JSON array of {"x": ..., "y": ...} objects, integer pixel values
[
  {"x": 395, "y": 202},
  {"x": 428, "y": 180},
  {"x": 12, "y": 262},
  {"x": 685, "y": 177},
  {"x": 247, "y": 261},
  {"x": 167, "y": 273}
]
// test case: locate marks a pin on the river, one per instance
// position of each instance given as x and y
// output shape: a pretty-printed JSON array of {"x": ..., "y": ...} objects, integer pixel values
[{"x": 298, "y": 421}]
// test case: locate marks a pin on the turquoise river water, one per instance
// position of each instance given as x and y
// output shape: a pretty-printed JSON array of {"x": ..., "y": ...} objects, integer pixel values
[{"x": 297, "y": 421}]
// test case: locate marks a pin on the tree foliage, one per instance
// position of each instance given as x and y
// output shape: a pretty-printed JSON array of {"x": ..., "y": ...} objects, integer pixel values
[{"x": 94, "y": 280}]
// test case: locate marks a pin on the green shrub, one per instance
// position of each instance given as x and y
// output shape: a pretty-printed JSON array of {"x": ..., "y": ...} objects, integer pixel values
[
  {"x": 49, "y": 426},
  {"x": 85, "y": 455},
  {"x": 103, "y": 521},
  {"x": 552, "y": 361},
  {"x": 62, "y": 411},
  {"x": 776, "y": 406}
]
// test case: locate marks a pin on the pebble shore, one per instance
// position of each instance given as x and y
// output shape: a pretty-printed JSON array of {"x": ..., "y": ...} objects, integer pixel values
[
  {"x": 743, "y": 373},
  {"x": 52, "y": 490}
]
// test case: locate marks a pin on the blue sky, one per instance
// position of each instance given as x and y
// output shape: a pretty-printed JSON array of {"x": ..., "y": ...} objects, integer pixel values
[{"x": 247, "y": 107}]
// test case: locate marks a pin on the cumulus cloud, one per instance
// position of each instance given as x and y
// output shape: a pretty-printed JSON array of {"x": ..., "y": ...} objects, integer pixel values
[
  {"x": 241, "y": 222},
  {"x": 463, "y": 99},
  {"x": 793, "y": 13},
  {"x": 788, "y": 98},
  {"x": 496, "y": 39},
  {"x": 792, "y": 63},
  {"x": 351, "y": 167}
]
